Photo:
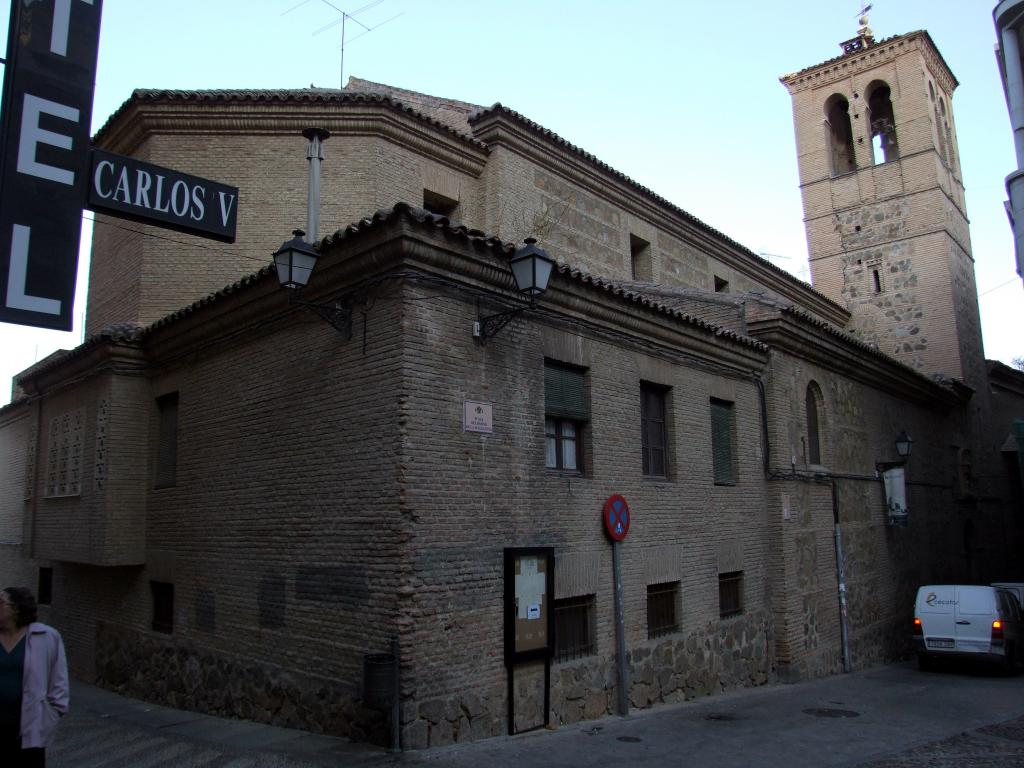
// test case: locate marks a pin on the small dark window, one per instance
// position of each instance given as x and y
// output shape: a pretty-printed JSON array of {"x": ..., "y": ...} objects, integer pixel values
[
  {"x": 574, "y": 628},
  {"x": 167, "y": 441},
  {"x": 163, "y": 606},
  {"x": 730, "y": 594},
  {"x": 723, "y": 424},
  {"x": 439, "y": 204},
  {"x": 653, "y": 436},
  {"x": 721, "y": 285},
  {"x": 813, "y": 397},
  {"x": 45, "y": 591},
  {"x": 876, "y": 280},
  {"x": 640, "y": 259},
  {"x": 662, "y": 609},
  {"x": 565, "y": 415}
]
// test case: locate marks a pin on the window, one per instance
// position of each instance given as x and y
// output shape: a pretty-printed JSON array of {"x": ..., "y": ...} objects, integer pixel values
[
  {"x": 944, "y": 133},
  {"x": 723, "y": 426},
  {"x": 840, "y": 135},
  {"x": 45, "y": 591},
  {"x": 574, "y": 628},
  {"x": 730, "y": 594},
  {"x": 812, "y": 404},
  {"x": 64, "y": 457},
  {"x": 662, "y": 609},
  {"x": 439, "y": 204},
  {"x": 640, "y": 258},
  {"x": 565, "y": 414},
  {"x": 163, "y": 606},
  {"x": 653, "y": 437},
  {"x": 167, "y": 441},
  {"x": 883, "y": 124},
  {"x": 721, "y": 285}
]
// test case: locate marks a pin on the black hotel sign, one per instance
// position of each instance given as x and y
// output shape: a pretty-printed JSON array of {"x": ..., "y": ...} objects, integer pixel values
[
  {"x": 48, "y": 86},
  {"x": 47, "y": 176},
  {"x": 153, "y": 195}
]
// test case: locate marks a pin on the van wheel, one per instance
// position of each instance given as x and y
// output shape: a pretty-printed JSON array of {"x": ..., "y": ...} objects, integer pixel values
[{"x": 925, "y": 662}]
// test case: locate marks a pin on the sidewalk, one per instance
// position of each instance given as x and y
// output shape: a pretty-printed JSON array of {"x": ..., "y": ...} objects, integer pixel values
[
  {"x": 886, "y": 717},
  {"x": 218, "y": 735}
]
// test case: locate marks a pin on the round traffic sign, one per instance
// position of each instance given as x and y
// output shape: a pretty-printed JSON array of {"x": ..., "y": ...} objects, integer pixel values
[{"x": 616, "y": 517}]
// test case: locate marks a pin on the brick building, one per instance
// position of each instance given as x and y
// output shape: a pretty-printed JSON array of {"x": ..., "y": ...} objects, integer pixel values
[{"x": 229, "y": 502}]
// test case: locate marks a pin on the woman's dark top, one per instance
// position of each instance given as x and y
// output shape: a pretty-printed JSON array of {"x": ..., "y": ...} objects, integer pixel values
[{"x": 11, "y": 667}]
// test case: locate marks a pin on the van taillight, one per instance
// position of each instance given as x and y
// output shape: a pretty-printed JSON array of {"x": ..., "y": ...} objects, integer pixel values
[
  {"x": 917, "y": 626},
  {"x": 997, "y": 630}
]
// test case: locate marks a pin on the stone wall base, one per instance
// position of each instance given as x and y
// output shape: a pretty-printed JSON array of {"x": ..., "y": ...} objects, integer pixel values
[{"x": 185, "y": 676}]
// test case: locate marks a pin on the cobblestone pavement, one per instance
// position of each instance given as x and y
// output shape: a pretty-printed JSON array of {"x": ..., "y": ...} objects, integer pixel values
[
  {"x": 888, "y": 717},
  {"x": 994, "y": 746}
]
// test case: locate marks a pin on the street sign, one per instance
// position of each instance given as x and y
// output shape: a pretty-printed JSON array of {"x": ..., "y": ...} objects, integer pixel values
[
  {"x": 47, "y": 111},
  {"x": 150, "y": 194},
  {"x": 616, "y": 517}
]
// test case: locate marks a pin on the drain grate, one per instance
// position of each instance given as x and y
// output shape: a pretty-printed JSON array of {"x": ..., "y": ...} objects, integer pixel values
[
  {"x": 830, "y": 712},
  {"x": 629, "y": 739}
]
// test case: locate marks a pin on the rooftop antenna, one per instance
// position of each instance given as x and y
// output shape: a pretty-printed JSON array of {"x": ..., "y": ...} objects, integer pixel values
[{"x": 346, "y": 17}]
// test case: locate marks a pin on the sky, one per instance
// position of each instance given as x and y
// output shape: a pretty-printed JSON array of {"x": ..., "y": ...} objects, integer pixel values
[{"x": 682, "y": 97}]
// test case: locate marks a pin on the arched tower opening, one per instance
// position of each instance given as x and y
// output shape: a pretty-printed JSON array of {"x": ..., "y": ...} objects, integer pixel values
[
  {"x": 882, "y": 123},
  {"x": 839, "y": 131}
]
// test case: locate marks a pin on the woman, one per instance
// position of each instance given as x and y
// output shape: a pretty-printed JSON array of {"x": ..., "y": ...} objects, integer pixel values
[{"x": 33, "y": 681}]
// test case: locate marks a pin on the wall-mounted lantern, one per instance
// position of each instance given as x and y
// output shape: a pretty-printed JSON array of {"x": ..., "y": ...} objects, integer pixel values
[
  {"x": 295, "y": 260},
  {"x": 531, "y": 268},
  {"x": 904, "y": 444}
]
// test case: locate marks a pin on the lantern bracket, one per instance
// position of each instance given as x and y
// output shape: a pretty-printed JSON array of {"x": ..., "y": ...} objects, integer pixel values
[{"x": 338, "y": 314}]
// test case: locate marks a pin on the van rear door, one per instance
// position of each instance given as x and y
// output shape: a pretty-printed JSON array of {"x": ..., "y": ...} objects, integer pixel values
[
  {"x": 976, "y": 608},
  {"x": 935, "y": 608}
]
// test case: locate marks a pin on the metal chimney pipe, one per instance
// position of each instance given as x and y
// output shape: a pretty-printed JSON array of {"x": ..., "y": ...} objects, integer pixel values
[{"x": 315, "y": 156}]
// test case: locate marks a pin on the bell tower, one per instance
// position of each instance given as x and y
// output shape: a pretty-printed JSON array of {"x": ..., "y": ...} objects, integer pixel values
[{"x": 883, "y": 200}]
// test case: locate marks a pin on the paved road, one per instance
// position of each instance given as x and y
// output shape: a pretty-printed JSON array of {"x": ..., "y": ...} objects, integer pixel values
[{"x": 889, "y": 717}]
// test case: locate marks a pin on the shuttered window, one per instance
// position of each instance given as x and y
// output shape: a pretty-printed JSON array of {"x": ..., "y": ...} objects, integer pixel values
[
  {"x": 167, "y": 442},
  {"x": 653, "y": 440},
  {"x": 722, "y": 442},
  {"x": 565, "y": 413}
]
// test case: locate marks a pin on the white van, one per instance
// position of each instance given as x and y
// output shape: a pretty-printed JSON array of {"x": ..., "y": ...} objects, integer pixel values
[
  {"x": 1016, "y": 587},
  {"x": 969, "y": 622}
]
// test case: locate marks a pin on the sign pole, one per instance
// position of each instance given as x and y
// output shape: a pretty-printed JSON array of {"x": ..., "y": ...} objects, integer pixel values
[
  {"x": 617, "y": 518},
  {"x": 620, "y": 631}
]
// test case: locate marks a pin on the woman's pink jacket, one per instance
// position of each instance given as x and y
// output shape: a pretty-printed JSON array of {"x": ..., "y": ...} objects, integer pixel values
[{"x": 44, "y": 687}]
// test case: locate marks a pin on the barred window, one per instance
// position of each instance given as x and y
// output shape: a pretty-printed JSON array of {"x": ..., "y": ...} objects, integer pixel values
[
  {"x": 574, "y": 628},
  {"x": 730, "y": 594},
  {"x": 662, "y": 609}
]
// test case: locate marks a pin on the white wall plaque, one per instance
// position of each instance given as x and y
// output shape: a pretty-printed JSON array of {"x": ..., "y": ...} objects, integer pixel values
[{"x": 477, "y": 417}]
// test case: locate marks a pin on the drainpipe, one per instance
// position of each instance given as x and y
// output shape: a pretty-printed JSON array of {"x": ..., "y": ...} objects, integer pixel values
[
  {"x": 315, "y": 155},
  {"x": 844, "y": 621}
]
